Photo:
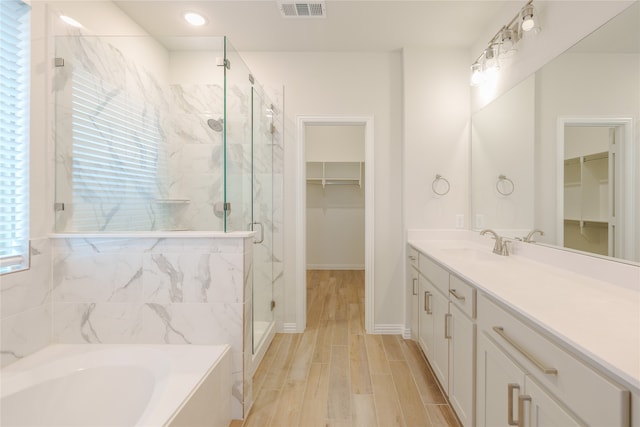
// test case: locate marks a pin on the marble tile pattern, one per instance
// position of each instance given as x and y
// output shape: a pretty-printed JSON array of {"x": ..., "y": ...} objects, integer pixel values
[
  {"x": 189, "y": 158},
  {"x": 155, "y": 291},
  {"x": 25, "y": 306}
]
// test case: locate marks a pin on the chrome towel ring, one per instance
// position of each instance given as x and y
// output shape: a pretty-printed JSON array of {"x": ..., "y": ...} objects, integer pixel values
[
  {"x": 504, "y": 185},
  {"x": 434, "y": 185}
]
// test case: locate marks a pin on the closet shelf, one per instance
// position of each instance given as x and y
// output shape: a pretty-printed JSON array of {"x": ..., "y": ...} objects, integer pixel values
[
  {"x": 334, "y": 173},
  {"x": 587, "y": 222}
]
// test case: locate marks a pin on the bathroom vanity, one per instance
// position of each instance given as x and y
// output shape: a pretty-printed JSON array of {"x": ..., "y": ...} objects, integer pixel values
[{"x": 516, "y": 341}]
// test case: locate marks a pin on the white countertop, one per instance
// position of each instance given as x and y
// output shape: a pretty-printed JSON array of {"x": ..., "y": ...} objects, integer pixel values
[{"x": 595, "y": 319}]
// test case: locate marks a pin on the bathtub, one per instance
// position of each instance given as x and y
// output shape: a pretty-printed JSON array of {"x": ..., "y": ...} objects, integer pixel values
[{"x": 118, "y": 385}]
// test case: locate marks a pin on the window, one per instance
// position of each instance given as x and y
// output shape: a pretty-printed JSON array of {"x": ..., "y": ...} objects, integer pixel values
[
  {"x": 115, "y": 158},
  {"x": 14, "y": 135}
]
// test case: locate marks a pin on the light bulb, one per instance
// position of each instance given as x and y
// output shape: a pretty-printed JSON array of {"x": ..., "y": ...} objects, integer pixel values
[
  {"x": 490, "y": 64},
  {"x": 477, "y": 77},
  {"x": 529, "y": 22},
  {"x": 508, "y": 45}
]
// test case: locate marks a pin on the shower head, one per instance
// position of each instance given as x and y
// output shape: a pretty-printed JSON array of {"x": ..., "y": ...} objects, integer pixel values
[{"x": 216, "y": 125}]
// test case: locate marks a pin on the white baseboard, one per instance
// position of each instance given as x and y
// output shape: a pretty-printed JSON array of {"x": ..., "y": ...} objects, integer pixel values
[
  {"x": 335, "y": 266},
  {"x": 290, "y": 328},
  {"x": 407, "y": 334}
]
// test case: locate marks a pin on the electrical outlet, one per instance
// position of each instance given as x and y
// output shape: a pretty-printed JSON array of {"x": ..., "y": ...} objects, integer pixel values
[
  {"x": 479, "y": 221},
  {"x": 459, "y": 221}
]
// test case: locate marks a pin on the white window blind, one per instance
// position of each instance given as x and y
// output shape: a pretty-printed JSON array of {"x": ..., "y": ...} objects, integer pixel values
[
  {"x": 115, "y": 158},
  {"x": 14, "y": 135}
]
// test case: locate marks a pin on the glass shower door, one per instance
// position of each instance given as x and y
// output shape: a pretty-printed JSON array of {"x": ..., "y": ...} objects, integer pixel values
[{"x": 262, "y": 217}]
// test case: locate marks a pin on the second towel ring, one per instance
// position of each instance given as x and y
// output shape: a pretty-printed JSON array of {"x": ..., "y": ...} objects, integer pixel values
[
  {"x": 505, "y": 191},
  {"x": 435, "y": 183}
]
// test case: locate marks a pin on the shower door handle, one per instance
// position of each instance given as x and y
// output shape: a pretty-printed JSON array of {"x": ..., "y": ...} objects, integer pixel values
[{"x": 261, "y": 232}]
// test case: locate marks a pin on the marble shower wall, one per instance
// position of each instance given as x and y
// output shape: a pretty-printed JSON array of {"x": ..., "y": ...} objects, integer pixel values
[
  {"x": 25, "y": 306},
  {"x": 156, "y": 291},
  {"x": 188, "y": 157}
]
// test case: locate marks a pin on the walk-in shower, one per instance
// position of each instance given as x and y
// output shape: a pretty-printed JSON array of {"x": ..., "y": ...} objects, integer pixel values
[{"x": 153, "y": 138}]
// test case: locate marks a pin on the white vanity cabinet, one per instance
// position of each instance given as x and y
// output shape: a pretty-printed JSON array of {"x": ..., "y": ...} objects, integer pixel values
[
  {"x": 413, "y": 290},
  {"x": 525, "y": 379},
  {"x": 447, "y": 334},
  {"x": 507, "y": 396}
]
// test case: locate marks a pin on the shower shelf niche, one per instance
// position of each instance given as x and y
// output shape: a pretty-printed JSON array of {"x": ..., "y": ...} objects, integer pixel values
[{"x": 334, "y": 173}]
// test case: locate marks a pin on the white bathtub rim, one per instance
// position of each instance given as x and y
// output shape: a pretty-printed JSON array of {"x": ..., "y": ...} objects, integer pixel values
[{"x": 178, "y": 370}]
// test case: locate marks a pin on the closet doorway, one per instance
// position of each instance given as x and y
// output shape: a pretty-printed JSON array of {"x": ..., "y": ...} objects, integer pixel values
[{"x": 335, "y": 186}]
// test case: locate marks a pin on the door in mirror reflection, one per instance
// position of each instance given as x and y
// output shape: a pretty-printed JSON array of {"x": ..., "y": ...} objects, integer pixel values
[{"x": 591, "y": 198}]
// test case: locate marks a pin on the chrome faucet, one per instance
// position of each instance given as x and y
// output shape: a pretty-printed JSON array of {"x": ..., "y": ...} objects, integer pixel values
[
  {"x": 529, "y": 237},
  {"x": 500, "y": 246}
]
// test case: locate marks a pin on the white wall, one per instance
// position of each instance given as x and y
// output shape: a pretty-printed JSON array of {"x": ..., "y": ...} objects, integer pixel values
[
  {"x": 503, "y": 136},
  {"x": 346, "y": 84},
  {"x": 327, "y": 143},
  {"x": 436, "y": 133}
]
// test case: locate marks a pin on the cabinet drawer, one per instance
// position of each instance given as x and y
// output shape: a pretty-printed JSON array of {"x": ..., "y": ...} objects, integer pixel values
[
  {"x": 413, "y": 257},
  {"x": 435, "y": 273},
  {"x": 595, "y": 399},
  {"x": 463, "y": 295}
]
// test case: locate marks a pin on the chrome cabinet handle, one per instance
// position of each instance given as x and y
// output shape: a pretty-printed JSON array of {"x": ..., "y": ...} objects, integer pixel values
[
  {"x": 521, "y": 400},
  {"x": 456, "y": 294},
  {"x": 412, "y": 258},
  {"x": 415, "y": 281},
  {"x": 510, "y": 388},
  {"x": 533, "y": 359},
  {"x": 447, "y": 331}
]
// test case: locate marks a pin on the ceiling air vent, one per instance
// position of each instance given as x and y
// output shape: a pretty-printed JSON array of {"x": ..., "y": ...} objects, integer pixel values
[{"x": 302, "y": 9}]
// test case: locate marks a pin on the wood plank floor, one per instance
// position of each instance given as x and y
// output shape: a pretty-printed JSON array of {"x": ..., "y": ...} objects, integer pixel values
[{"x": 336, "y": 375}]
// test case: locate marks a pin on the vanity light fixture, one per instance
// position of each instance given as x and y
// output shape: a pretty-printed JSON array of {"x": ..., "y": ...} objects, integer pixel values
[
  {"x": 504, "y": 44},
  {"x": 508, "y": 42},
  {"x": 529, "y": 23},
  {"x": 490, "y": 62},
  {"x": 477, "y": 76},
  {"x": 70, "y": 21},
  {"x": 195, "y": 19}
]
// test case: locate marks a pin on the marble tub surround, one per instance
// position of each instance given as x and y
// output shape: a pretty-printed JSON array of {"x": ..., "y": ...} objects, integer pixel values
[
  {"x": 182, "y": 290},
  {"x": 25, "y": 306},
  {"x": 594, "y": 319}
]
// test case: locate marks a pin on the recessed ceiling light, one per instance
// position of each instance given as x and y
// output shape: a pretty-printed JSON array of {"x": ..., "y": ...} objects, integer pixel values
[
  {"x": 195, "y": 19},
  {"x": 69, "y": 20}
]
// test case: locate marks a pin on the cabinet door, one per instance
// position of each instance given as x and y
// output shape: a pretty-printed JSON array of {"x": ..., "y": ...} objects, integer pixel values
[
  {"x": 542, "y": 410},
  {"x": 414, "y": 302},
  {"x": 462, "y": 361},
  {"x": 500, "y": 382},
  {"x": 425, "y": 317},
  {"x": 440, "y": 346}
]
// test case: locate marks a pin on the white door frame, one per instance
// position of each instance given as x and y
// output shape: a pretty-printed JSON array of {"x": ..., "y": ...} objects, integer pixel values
[
  {"x": 301, "y": 222},
  {"x": 624, "y": 177}
]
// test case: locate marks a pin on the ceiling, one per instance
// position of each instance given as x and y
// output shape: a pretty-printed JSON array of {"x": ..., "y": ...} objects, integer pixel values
[{"x": 361, "y": 25}]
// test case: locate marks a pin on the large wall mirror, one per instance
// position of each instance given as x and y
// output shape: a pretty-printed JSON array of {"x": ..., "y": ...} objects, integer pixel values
[{"x": 560, "y": 152}]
